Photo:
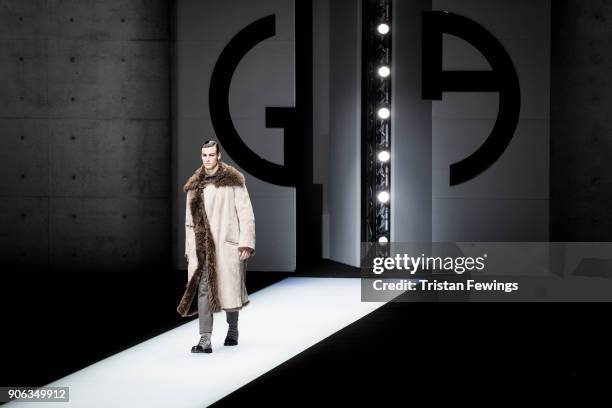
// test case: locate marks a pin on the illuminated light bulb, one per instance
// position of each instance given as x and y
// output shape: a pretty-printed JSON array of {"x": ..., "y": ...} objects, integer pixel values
[
  {"x": 383, "y": 28},
  {"x": 384, "y": 156},
  {"x": 384, "y": 71},
  {"x": 383, "y": 196},
  {"x": 383, "y": 240},
  {"x": 384, "y": 113}
]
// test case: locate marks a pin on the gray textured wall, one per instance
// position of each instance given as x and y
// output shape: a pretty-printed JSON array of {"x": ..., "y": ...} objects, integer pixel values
[
  {"x": 85, "y": 143},
  {"x": 510, "y": 200},
  {"x": 345, "y": 131},
  {"x": 411, "y": 145},
  {"x": 321, "y": 114},
  {"x": 581, "y": 125}
]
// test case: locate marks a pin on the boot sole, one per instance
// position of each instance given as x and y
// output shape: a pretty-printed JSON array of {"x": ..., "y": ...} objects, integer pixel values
[{"x": 208, "y": 350}]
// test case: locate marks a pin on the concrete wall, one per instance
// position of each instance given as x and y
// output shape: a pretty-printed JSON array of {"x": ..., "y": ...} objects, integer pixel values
[
  {"x": 510, "y": 200},
  {"x": 265, "y": 77},
  {"x": 581, "y": 129},
  {"x": 85, "y": 146}
]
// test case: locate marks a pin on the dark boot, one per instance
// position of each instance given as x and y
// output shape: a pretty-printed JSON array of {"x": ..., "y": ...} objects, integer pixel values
[
  {"x": 232, "y": 333},
  {"x": 203, "y": 346}
]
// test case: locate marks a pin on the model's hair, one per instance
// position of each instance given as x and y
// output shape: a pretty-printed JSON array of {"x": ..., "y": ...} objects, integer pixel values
[{"x": 211, "y": 143}]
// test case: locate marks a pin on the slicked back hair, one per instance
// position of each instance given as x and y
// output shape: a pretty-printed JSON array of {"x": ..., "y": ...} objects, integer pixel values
[{"x": 211, "y": 143}]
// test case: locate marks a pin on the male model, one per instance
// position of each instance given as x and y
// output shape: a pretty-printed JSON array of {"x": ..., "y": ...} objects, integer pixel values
[{"x": 219, "y": 238}]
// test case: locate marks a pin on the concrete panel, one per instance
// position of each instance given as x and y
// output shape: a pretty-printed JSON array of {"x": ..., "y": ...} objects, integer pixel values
[
  {"x": 582, "y": 160},
  {"x": 103, "y": 158},
  {"x": 586, "y": 92},
  {"x": 23, "y": 69},
  {"x": 92, "y": 102},
  {"x": 102, "y": 231},
  {"x": 103, "y": 68},
  {"x": 585, "y": 21},
  {"x": 124, "y": 62},
  {"x": 24, "y": 236},
  {"x": 581, "y": 133},
  {"x": 94, "y": 20},
  {"x": 23, "y": 20},
  {"x": 109, "y": 233},
  {"x": 24, "y": 158},
  {"x": 583, "y": 219},
  {"x": 108, "y": 79},
  {"x": 573, "y": 53}
]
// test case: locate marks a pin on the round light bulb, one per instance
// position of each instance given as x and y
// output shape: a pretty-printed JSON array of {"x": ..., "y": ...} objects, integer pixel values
[
  {"x": 384, "y": 71},
  {"x": 383, "y": 240},
  {"x": 383, "y": 196},
  {"x": 384, "y": 156},
  {"x": 383, "y": 28},
  {"x": 384, "y": 113}
]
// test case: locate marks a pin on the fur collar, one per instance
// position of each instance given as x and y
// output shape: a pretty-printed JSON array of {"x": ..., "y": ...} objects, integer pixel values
[{"x": 228, "y": 177}]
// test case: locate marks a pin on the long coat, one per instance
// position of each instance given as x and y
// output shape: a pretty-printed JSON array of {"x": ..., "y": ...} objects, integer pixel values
[{"x": 219, "y": 219}]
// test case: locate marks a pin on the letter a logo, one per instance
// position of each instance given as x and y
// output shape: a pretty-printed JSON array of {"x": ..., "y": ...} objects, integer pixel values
[{"x": 502, "y": 79}]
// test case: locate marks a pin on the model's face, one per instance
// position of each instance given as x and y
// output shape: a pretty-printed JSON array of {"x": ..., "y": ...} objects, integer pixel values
[{"x": 210, "y": 157}]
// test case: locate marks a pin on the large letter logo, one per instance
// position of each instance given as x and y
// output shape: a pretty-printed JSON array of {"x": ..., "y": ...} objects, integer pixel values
[
  {"x": 502, "y": 79},
  {"x": 218, "y": 97},
  {"x": 295, "y": 121}
]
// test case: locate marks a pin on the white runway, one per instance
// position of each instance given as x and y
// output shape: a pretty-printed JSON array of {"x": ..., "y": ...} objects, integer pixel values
[{"x": 282, "y": 320}]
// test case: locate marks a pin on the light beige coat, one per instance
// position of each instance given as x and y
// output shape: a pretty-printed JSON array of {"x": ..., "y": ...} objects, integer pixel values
[{"x": 231, "y": 224}]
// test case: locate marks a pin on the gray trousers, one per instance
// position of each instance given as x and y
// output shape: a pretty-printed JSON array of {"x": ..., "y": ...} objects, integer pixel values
[{"x": 204, "y": 314}]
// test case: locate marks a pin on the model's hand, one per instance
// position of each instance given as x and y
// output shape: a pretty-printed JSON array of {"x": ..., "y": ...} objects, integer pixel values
[{"x": 245, "y": 253}]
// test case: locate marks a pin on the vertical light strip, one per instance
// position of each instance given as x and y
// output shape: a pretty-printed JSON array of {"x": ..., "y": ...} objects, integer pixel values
[{"x": 376, "y": 120}]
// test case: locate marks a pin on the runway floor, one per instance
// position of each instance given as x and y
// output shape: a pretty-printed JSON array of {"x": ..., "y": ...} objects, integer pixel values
[{"x": 282, "y": 321}]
